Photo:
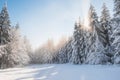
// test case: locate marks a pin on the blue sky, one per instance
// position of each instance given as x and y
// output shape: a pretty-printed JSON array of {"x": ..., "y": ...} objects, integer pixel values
[{"x": 41, "y": 20}]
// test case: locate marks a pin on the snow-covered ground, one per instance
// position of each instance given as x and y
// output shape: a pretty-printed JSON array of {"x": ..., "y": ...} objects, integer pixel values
[{"x": 62, "y": 72}]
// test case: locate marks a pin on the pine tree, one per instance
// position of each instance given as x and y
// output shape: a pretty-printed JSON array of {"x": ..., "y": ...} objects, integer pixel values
[
  {"x": 105, "y": 32},
  {"x": 93, "y": 22},
  {"x": 87, "y": 36},
  {"x": 95, "y": 55},
  {"x": 105, "y": 29},
  {"x": 77, "y": 45},
  {"x": 85, "y": 44},
  {"x": 16, "y": 54},
  {"x": 63, "y": 51},
  {"x": 116, "y": 32},
  {"x": 69, "y": 49},
  {"x": 5, "y": 29},
  {"x": 62, "y": 54},
  {"x": 91, "y": 36},
  {"x": 4, "y": 26},
  {"x": 27, "y": 47}
]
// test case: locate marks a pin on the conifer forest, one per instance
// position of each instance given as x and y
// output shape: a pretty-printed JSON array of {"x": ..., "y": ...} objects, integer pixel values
[{"x": 97, "y": 43}]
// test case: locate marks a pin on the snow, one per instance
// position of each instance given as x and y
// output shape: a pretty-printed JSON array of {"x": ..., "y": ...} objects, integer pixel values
[{"x": 62, "y": 72}]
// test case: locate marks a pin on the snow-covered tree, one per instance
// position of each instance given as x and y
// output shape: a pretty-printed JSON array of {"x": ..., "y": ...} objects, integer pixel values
[
  {"x": 105, "y": 32},
  {"x": 86, "y": 41},
  {"x": 16, "y": 54},
  {"x": 96, "y": 49},
  {"x": 69, "y": 49},
  {"x": 116, "y": 32},
  {"x": 4, "y": 31},
  {"x": 63, "y": 51},
  {"x": 49, "y": 47},
  {"x": 62, "y": 54},
  {"x": 27, "y": 45},
  {"x": 87, "y": 44},
  {"x": 78, "y": 45},
  {"x": 105, "y": 29},
  {"x": 83, "y": 45},
  {"x": 58, "y": 48},
  {"x": 4, "y": 26},
  {"x": 44, "y": 54},
  {"x": 93, "y": 22}
]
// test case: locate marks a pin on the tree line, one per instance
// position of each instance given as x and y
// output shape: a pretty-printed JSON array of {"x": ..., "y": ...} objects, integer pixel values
[{"x": 99, "y": 43}]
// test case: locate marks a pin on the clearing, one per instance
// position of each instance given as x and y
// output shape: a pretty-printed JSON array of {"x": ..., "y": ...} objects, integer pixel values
[{"x": 62, "y": 72}]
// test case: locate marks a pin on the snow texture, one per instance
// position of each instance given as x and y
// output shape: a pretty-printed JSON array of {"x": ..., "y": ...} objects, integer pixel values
[{"x": 62, "y": 72}]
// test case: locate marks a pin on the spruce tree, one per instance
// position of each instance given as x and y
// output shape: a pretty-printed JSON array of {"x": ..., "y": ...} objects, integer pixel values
[
  {"x": 16, "y": 54},
  {"x": 93, "y": 19},
  {"x": 69, "y": 49},
  {"x": 4, "y": 26},
  {"x": 95, "y": 55},
  {"x": 5, "y": 32},
  {"x": 62, "y": 54},
  {"x": 105, "y": 29},
  {"x": 93, "y": 22},
  {"x": 77, "y": 45},
  {"x": 116, "y": 32},
  {"x": 85, "y": 44}
]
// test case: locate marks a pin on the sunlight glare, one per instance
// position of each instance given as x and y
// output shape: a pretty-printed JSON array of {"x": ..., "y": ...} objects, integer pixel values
[{"x": 86, "y": 24}]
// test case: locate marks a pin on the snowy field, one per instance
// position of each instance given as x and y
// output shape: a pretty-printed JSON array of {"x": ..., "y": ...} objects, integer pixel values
[{"x": 61, "y": 72}]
